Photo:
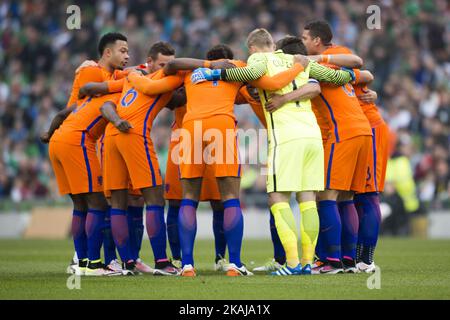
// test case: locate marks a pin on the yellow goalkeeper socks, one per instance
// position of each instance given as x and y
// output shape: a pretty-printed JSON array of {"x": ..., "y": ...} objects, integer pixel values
[
  {"x": 309, "y": 228},
  {"x": 285, "y": 224}
]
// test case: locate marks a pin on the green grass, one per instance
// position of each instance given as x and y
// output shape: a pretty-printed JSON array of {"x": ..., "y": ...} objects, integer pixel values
[{"x": 410, "y": 269}]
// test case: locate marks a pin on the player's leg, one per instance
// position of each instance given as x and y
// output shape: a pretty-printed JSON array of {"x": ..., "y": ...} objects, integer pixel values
[
  {"x": 287, "y": 231},
  {"x": 309, "y": 227},
  {"x": 109, "y": 247},
  {"x": 173, "y": 193},
  {"x": 136, "y": 228},
  {"x": 143, "y": 167},
  {"x": 191, "y": 172},
  {"x": 96, "y": 214},
  {"x": 210, "y": 192},
  {"x": 368, "y": 207},
  {"x": 172, "y": 230},
  {"x": 220, "y": 242},
  {"x": 187, "y": 223},
  {"x": 117, "y": 181},
  {"x": 71, "y": 175},
  {"x": 94, "y": 231},
  {"x": 135, "y": 223},
  {"x": 350, "y": 226},
  {"x": 340, "y": 163},
  {"x": 361, "y": 147},
  {"x": 119, "y": 225},
  {"x": 368, "y": 202},
  {"x": 228, "y": 173},
  {"x": 233, "y": 223},
  {"x": 329, "y": 248},
  {"x": 80, "y": 208},
  {"x": 284, "y": 165},
  {"x": 311, "y": 175},
  {"x": 156, "y": 229}
]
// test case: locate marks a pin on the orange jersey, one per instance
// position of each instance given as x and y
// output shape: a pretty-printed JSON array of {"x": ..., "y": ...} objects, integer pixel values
[
  {"x": 138, "y": 108},
  {"x": 211, "y": 98},
  {"x": 370, "y": 109},
  {"x": 243, "y": 97},
  {"x": 341, "y": 114},
  {"x": 85, "y": 124},
  {"x": 91, "y": 74}
]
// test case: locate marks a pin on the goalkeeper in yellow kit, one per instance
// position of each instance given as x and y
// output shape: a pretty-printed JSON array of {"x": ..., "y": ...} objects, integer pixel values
[{"x": 295, "y": 160}]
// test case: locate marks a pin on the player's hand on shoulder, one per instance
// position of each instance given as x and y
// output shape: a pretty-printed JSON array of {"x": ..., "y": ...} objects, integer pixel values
[
  {"x": 303, "y": 60},
  {"x": 222, "y": 64},
  {"x": 86, "y": 63},
  {"x": 205, "y": 74},
  {"x": 368, "y": 96},
  {"x": 123, "y": 125},
  {"x": 45, "y": 137},
  {"x": 275, "y": 102}
]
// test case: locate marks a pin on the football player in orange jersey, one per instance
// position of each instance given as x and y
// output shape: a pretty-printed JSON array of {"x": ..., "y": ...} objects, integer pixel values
[
  {"x": 347, "y": 150},
  {"x": 73, "y": 156},
  {"x": 131, "y": 157}
]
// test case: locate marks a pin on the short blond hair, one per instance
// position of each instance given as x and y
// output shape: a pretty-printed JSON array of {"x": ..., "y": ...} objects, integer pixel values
[{"x": 260, "y": 38}]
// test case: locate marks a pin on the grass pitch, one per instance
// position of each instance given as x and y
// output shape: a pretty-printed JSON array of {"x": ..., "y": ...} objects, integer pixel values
[{"x": 410, "y": 269}]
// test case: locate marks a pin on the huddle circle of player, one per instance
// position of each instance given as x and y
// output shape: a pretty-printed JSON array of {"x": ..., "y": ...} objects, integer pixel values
[{"x": 327, "y": 143}]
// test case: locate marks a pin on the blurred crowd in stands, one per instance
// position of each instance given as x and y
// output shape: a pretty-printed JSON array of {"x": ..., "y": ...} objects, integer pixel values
[{"x": 409, "y": 56}]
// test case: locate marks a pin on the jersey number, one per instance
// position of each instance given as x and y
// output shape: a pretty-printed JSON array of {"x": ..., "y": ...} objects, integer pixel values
[{"x": 129, "y": 98}]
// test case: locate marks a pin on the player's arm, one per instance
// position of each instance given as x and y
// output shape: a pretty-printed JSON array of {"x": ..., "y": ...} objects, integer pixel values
[
  {"x": 257, "y": 67},
  {"x": 279, "y": 80},
  {"x": 341, "y": 60},
  {"x": 325, "y": 74},
  {"x": 363, "y": 77},
  {"x": 307, "y": 91},
  {"x": 152, "y": 87},
  {"x": 56, "y": 123},
  {"x": 101, "y": 88},
  {"x": 108, "y": 110},
  {"x": 175, "y": 65}
]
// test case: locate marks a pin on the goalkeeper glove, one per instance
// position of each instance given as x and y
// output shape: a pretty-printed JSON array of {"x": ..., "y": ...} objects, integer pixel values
[{"x": 205, "y": 74}]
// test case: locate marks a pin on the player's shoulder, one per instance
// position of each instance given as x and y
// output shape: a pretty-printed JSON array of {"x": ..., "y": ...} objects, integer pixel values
[
  {"x": 92, "y": 73},
  {"x": 258, "y": 56},
  {"x": 337, "y": 49}
]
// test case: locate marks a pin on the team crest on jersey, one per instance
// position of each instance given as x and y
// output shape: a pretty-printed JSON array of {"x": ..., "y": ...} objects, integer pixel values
[{"x": 100, "y": 180}]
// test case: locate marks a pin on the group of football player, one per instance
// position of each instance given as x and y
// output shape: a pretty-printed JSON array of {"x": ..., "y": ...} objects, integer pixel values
[{"x": 327, "y": 143}]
